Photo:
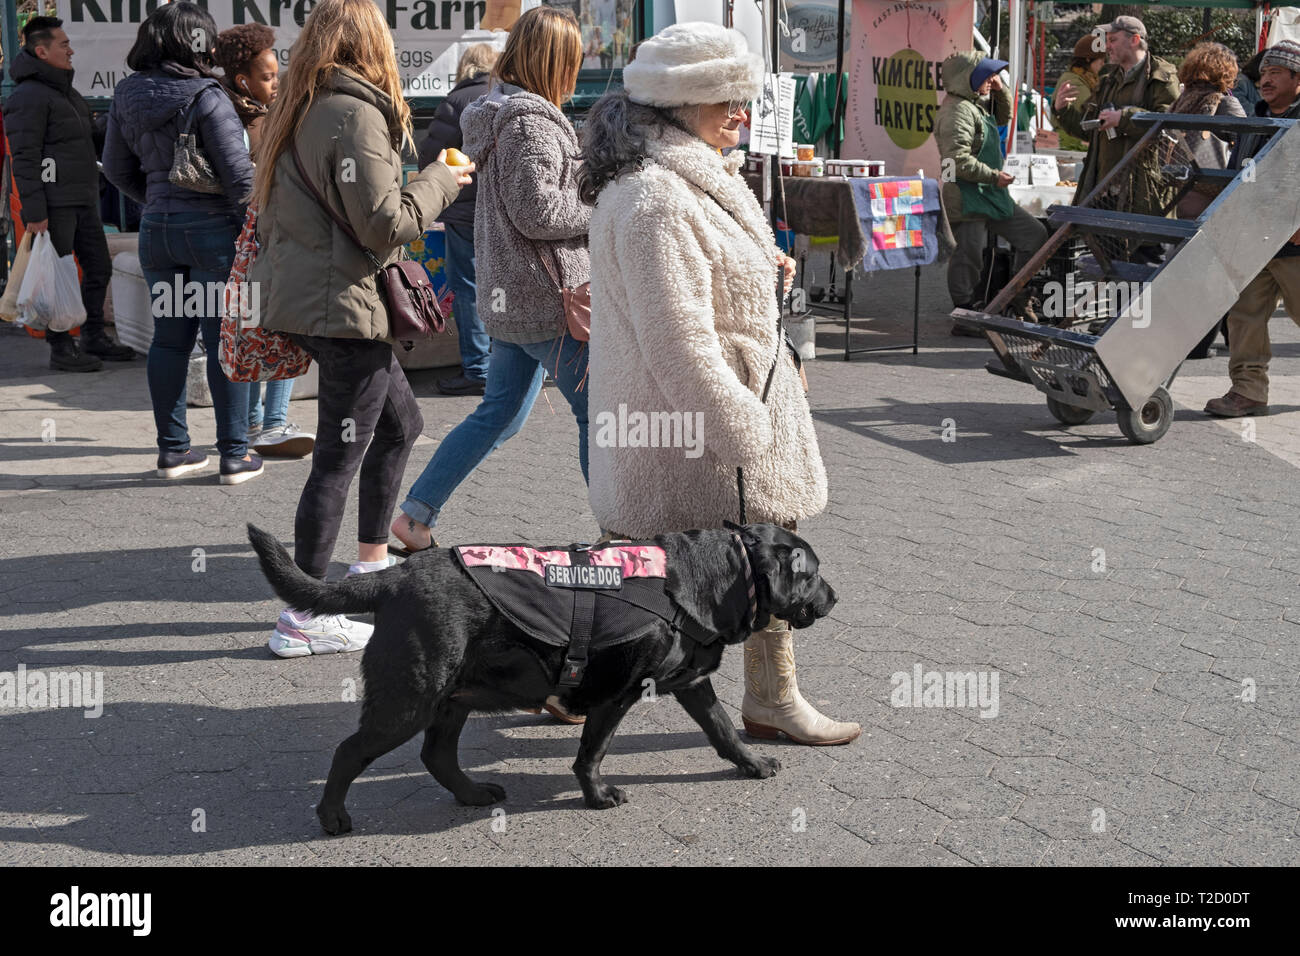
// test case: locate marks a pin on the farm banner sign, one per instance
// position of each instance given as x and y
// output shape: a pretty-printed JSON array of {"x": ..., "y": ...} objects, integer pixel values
[
  {"x": 430, "y": 35},
  {"x": 896, "y": 84}
]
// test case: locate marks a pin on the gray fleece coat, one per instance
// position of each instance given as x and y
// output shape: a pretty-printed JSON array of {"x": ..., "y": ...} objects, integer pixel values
[{"x": 527, "y": 208}]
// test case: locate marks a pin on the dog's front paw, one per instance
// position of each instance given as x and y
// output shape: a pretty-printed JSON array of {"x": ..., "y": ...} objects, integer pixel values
[
  {"x": 334, "y": 822},
  {"x": 604, "y": 797},
  {"x": 482, "y": 794},
  {"x": 761, "y": 768}
]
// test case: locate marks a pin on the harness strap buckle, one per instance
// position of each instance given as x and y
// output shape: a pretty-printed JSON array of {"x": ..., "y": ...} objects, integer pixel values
[{"x": 575, "y": 661}]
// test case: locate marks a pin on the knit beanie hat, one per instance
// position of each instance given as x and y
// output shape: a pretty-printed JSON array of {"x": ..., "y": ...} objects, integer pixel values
[
  {"x": 689, "y": 64},
  {"x": 1086, "y": 48},
  {"x": 1285, "y": 54}
]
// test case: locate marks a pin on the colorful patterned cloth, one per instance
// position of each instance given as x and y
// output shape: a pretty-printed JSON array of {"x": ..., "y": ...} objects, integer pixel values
[
  {"x": 900, "y": 215},
  {"x": 430, "y": 250}
]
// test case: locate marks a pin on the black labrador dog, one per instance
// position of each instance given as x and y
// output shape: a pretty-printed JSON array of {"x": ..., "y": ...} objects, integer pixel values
[{"x": 441, "y": 649}]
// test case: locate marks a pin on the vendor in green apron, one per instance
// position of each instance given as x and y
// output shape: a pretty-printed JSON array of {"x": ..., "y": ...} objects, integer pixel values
[{"x": 974, "y": 186}]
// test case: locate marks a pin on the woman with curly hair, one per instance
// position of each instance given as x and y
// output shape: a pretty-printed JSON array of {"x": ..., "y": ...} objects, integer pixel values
[
  {"x": 1207, "y": 75},
  {"x": 685, "y": 323},
  {"x": 252, "y": 74},
  {"x": 252, "y": 80}
]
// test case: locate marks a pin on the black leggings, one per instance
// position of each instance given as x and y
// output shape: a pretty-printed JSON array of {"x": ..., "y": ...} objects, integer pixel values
[{"x": 368, "y": 418}]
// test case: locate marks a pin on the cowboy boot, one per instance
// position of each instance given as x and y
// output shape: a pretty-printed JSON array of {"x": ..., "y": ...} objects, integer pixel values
[{"x": 773, "y": 705}]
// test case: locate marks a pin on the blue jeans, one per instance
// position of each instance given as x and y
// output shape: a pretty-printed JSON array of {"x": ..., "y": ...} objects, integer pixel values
[
  {"x": 176, "y": 249},
  {"x": 276, "y": 413},
  {"x": 459, "y": 264},
  {"x": 514, "y": 379}
]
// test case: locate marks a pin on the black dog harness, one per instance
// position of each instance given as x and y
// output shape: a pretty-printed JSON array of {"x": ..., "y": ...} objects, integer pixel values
[{"x": 586, "y": 596}]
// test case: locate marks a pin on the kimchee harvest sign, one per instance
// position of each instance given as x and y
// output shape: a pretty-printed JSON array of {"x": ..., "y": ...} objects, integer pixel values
[
  {"x": 896, "y": 85},
  {"x": 430, "y": 35}
]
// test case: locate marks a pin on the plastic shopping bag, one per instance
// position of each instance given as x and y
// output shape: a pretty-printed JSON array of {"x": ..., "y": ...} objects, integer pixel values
[
  {"x": 9, "y": 302},
  {"x": 50, "y": 294}
]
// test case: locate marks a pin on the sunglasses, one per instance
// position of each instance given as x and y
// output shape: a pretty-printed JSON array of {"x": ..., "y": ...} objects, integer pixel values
[{"x": 737, "y": 106}]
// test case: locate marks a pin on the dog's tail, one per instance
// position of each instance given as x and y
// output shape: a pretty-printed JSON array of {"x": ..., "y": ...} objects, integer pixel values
[{"x": 355, "y": 595}]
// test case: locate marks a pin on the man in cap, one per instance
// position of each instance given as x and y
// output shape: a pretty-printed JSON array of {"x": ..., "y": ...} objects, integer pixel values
[
  {"x": 1134, "y": 81},
  {"x": 1249, "y": 349},
  {"x": 974, "y": 185}
]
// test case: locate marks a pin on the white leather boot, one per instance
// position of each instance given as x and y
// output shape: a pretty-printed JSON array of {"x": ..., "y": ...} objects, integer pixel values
[{"x": 773, "y": 704}]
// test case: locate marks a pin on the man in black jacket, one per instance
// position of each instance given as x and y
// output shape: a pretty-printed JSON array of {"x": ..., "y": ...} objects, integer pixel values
[
  {"x": 458, "y": 221},
  {"x": 50, "y": 135}
]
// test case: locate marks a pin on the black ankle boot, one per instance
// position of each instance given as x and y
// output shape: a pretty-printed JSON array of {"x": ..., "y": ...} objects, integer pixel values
[
  {"x": 98, "y": 343},
  {"x": 66, "y": 357}
]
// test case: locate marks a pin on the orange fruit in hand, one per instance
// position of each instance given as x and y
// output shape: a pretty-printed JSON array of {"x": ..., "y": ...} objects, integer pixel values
[{"x": 455, "y": 157}]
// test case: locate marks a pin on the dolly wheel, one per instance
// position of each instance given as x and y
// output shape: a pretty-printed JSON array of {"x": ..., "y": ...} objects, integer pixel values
[
  {"x": 1144, "y": 426},
  {"x": 1068, "y": 414}
]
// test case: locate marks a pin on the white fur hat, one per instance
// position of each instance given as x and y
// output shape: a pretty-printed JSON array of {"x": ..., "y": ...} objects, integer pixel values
[{"x": 693, "y": 63}]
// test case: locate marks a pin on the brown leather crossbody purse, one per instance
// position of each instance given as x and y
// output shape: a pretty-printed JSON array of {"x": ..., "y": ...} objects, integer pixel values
[{"x": 413, "y": 310}]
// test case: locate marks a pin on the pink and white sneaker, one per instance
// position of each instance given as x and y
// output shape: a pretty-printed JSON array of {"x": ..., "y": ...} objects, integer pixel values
[{"x": 301, "y": 636}]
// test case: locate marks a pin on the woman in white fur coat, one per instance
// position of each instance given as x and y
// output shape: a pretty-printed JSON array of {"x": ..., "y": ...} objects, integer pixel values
[{"x": 684, "y": 332}]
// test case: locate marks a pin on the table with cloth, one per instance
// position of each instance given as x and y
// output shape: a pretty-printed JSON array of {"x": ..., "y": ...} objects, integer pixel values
[{"x": 890, "y": 222}]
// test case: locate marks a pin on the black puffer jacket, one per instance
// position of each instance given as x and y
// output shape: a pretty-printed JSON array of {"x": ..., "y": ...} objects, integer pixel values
[
  {"x": 149, "y": 111},
  {"x": 45, "y": 118},
  {"x": 444, "y": 133}
]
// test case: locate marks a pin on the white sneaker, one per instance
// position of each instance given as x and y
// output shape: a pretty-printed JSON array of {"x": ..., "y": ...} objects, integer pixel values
[
  {"x": 284, "y": 441},
  {"x": 323, "y": 634}
]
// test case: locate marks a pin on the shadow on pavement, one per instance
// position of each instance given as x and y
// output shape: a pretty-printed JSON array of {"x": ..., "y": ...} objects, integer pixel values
[
  {"x": 898, "y": 424},
  {"x": 132, "y": 780},
  {"x": 230, "y": 572}
]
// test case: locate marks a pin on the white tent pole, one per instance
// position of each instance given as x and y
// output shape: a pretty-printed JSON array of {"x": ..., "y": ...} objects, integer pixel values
[{"x": 1016, "y": 57}]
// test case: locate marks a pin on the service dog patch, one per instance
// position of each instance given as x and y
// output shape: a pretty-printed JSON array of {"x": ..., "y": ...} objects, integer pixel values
[{"x": 584, "y": 576}]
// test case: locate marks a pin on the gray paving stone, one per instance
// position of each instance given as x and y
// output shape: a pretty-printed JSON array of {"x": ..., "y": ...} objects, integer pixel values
[
  {"x": 1064, "y": 817},
  {"x": 1206, "y": 773},
  {"x": 1175, "y": 839},
  {"x": 1145, "y": 796},
  {"x": 894, "y": 821},
  {"x": 1242, "y": 812},
  {"x": 966, "y": 798},
  {"x": 999, "y": 842}
]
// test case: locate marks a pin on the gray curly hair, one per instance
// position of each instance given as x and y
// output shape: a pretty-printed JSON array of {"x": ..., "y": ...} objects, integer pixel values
[{"x": 614, "y": 138}]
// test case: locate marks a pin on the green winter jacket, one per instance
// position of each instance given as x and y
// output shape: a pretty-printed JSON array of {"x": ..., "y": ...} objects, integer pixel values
[
  {"x": 959, "y": 132},
  {"x": 1152, "y": 88},
  {"x": 1070, "y": 117},
  {"x": 312, "y": 279}
]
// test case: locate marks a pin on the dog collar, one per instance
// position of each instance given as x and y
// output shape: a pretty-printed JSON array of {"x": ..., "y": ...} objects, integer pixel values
[{"x": 750, "y": 587}]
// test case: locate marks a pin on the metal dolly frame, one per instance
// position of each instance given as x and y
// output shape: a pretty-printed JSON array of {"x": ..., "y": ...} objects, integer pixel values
[{"x": 1128, "y": 364}]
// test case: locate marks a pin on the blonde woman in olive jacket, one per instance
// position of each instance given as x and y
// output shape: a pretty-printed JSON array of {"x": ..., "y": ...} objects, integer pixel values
[
  {"x": 684, "y": 328},
  {"x": 341, "y": 105}
]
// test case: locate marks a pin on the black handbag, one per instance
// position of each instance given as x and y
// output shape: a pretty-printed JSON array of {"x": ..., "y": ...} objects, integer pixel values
[{"x": 191, "y": 168}]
